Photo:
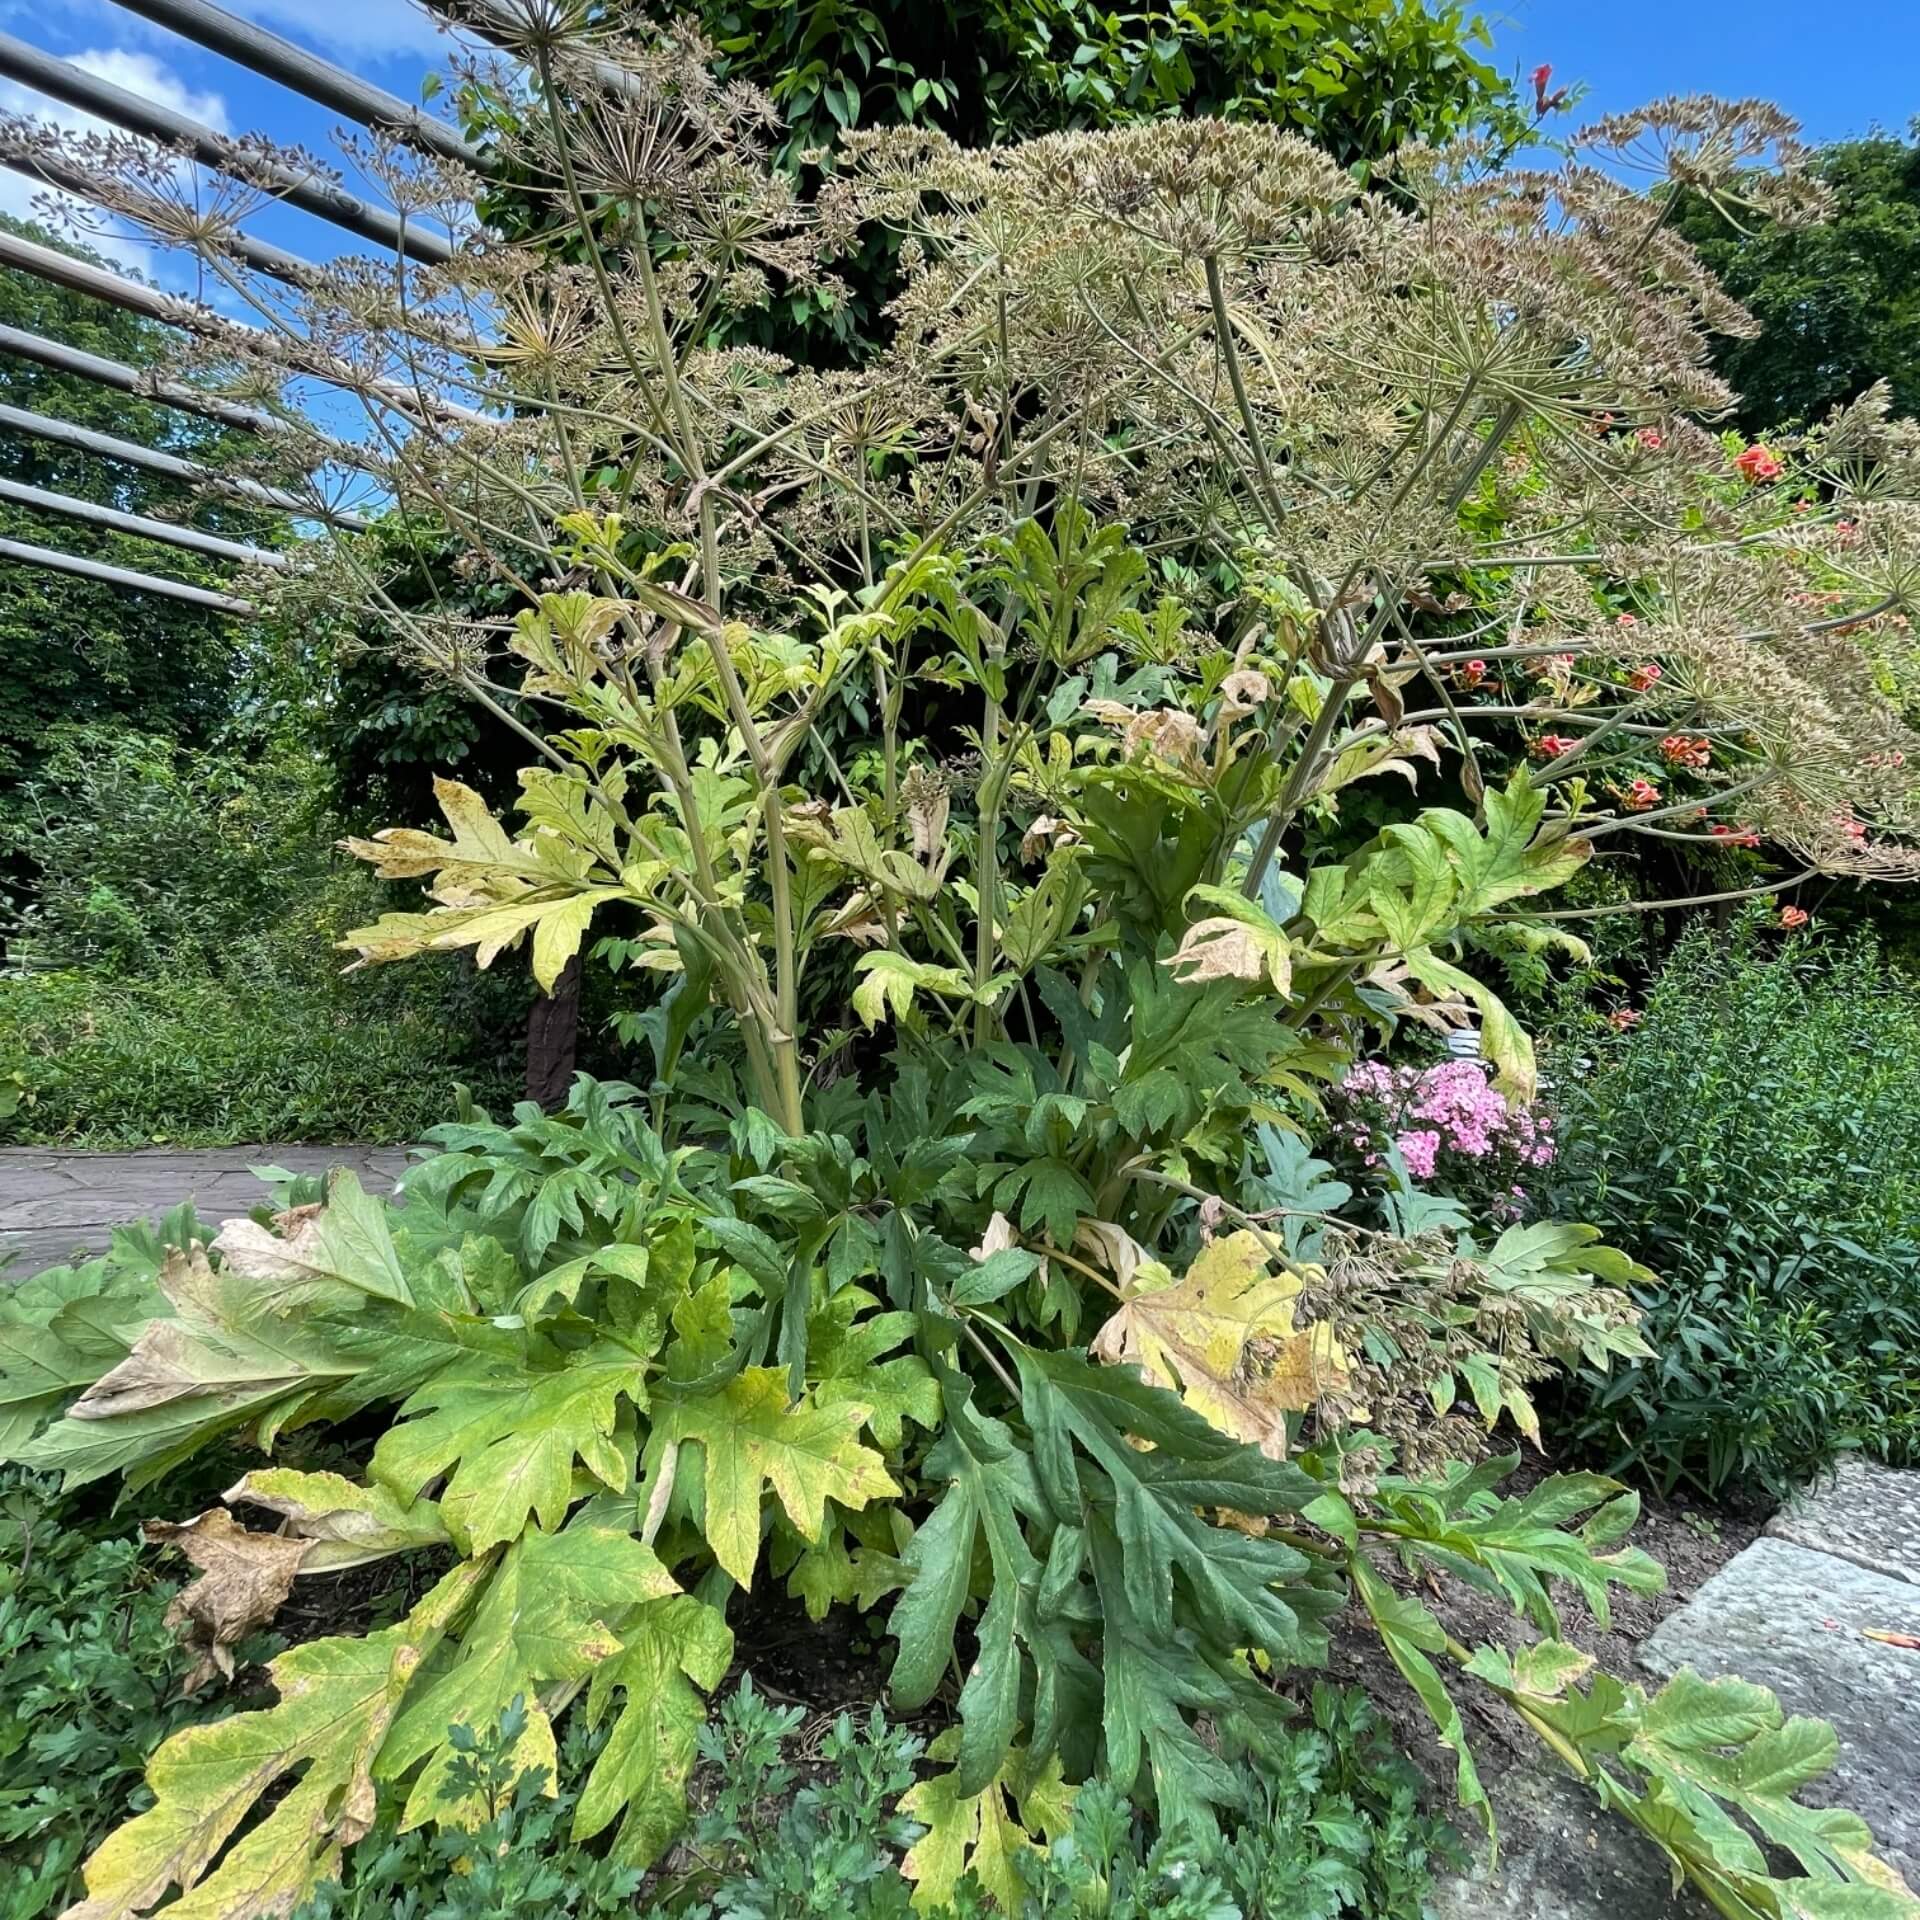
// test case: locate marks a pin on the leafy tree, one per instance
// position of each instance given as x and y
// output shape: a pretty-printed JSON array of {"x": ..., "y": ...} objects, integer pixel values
[{"x": 1838, "y": 302}]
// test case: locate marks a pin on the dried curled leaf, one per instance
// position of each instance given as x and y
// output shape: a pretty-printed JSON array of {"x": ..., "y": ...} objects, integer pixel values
[{"x": 244, "y": 1578}]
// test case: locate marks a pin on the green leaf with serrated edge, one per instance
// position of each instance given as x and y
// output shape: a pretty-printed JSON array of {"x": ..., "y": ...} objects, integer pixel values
[
  {"x": 39, "y": 1374},
  {"x": 548, "y": 1617},
  {"x": 1410, "y": 1633},
  {"x": 1712, "y": 1741},
  {"x": 510, "y": 1440},
  {"x": 672, "y": 1647},
  {"x": 989, "y": 1484},
  {"x": 354, "y": 1243},
  {"x": 1516, "y": 1544},
  {"x": 348, "y": 1524},
  {"x": 893, "y": 1392},
  {"x": 1708, "y": 1750},
  {"x": 750, "y": 1249},
  {"x": 223, "y": 1359},
  {"x": 751, "y": 1438},
  {"x": 338, "y": 1698},
  {"x": 1510, "y": 860},
  {"x": 1231, "y": 1579}
]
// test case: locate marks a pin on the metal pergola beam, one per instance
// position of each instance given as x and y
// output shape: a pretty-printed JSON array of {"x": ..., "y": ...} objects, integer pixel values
[
  {"x": 267, "y": 53},
  {"x": 81, "y": 276},
  {"x": 64, "y": 433},
  {"x": 61, "y": 358},
  {"x": 46, "y": 165},
  {"x": 165, "y": 531},
  {"x": 313, "y": 193},
  {"x": 28, "y": 555}
]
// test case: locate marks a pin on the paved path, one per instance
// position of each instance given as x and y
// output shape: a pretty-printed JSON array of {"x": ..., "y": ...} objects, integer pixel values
[
  {"x": 55, "y": 1202},
  {"x": 1793, "y": 1613}
]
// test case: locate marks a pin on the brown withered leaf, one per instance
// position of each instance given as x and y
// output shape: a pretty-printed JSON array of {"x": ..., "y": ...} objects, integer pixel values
[
  {"x": 286, "y": 1251},
  {"x": 1113, "y": 1246},
  {"x": 244, "y": 1578}
]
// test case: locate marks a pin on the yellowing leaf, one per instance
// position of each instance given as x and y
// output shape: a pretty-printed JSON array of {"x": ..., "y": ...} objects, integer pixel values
[
  {"x": 750, "y": 1437},
  {"x": 979, "y": 1832},
  {"x": 674, "y": 1646},
  {"x": 548, "y": 1616},
  {"x": 514, "y": 1436},
  {"x": 1224, "y": 1337},
  {"x": 1239, "y": 942},
  {"x": 337, "y": 1700}
]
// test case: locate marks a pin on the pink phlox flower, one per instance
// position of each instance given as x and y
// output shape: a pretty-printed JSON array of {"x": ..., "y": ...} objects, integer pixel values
[{"x": 1420, "y": 1149}]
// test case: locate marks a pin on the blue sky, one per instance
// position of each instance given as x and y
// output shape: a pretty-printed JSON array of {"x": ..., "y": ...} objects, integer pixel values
[
  {"x": 1838, "y": 69},
  {"x": 1840, "y": 72}
]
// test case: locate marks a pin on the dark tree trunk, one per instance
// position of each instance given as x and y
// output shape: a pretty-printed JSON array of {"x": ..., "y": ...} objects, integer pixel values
[{"x": 553, "y": 1030}]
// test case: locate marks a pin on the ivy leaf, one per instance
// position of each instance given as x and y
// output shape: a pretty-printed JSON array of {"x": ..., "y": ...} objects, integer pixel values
[
  {"x": 548, "y": 1616},
  {"x": 751, "y": 1437},
  {"x": 337, "y": 1700},
  {"x": 1224, "y": 1339},
  {"x": 674, "y": 1646},
  {"x": 511, "y": 1439}
]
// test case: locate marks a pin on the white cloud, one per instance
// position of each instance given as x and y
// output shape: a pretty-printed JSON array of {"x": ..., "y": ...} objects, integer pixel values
[
  {"x": 372, "y": 29},
  {"x": 139, "y": 73},
  {"x": 152, "y": 80}
]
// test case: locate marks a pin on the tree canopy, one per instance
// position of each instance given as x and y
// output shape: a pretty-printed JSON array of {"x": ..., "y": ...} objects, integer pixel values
[{"x": 1839, "y": 302}]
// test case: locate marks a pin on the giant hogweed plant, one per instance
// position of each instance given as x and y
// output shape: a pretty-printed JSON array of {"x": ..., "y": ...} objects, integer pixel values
[{"x": 954, "y": 735}]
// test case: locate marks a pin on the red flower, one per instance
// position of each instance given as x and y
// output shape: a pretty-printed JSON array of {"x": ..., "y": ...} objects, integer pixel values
[
  {"x": 1624, "y": 1019},
  {"x": 1793, "y": 917},
  {"x": 1758, "y": 465},
  {"x": 1734, "y": 836},
  {"x": 1626, "y": 619},
  {"x": 1644, "y": 675},
  {"x": 1641, "y": 795},
  {"x": 1683, "y": 750},
  {"x": 1550, "y": 746},
  {"x": 1649, "y": 437},
  {"x": 1473, "y": 672},
  {"x": 1543, "y": 102}
]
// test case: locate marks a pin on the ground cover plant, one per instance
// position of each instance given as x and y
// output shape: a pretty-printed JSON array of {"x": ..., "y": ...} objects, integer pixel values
[
  {"x": 1751, "y": 1136},
  {"x": 962, "y": 1261}
]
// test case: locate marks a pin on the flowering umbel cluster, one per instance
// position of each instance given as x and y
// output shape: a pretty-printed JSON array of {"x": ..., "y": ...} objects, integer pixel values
[{"x": 1427, "y": 464}]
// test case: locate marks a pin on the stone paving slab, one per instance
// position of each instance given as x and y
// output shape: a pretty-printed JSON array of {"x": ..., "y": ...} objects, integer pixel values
[
  {"x": 55, "y": 1202},
  {"x": 1563, "y": 1857},
  {"x": 1795, "y": 1620},
  {"x": 1865, "y": 1513},
  {"x": 1790, "y": 1613}
]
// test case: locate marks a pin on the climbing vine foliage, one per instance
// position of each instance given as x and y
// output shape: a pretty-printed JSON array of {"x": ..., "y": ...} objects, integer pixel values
[{"x": 1022, "y": 772}]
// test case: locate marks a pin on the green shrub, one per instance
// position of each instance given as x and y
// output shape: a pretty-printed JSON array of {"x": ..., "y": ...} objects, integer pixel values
[
  {"x": 180, "y": 978},
  {"x": 198, "y": 1061},
  {"x": 1756, "y": 1141},
  {"x": 1334, "y": 1830}
]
